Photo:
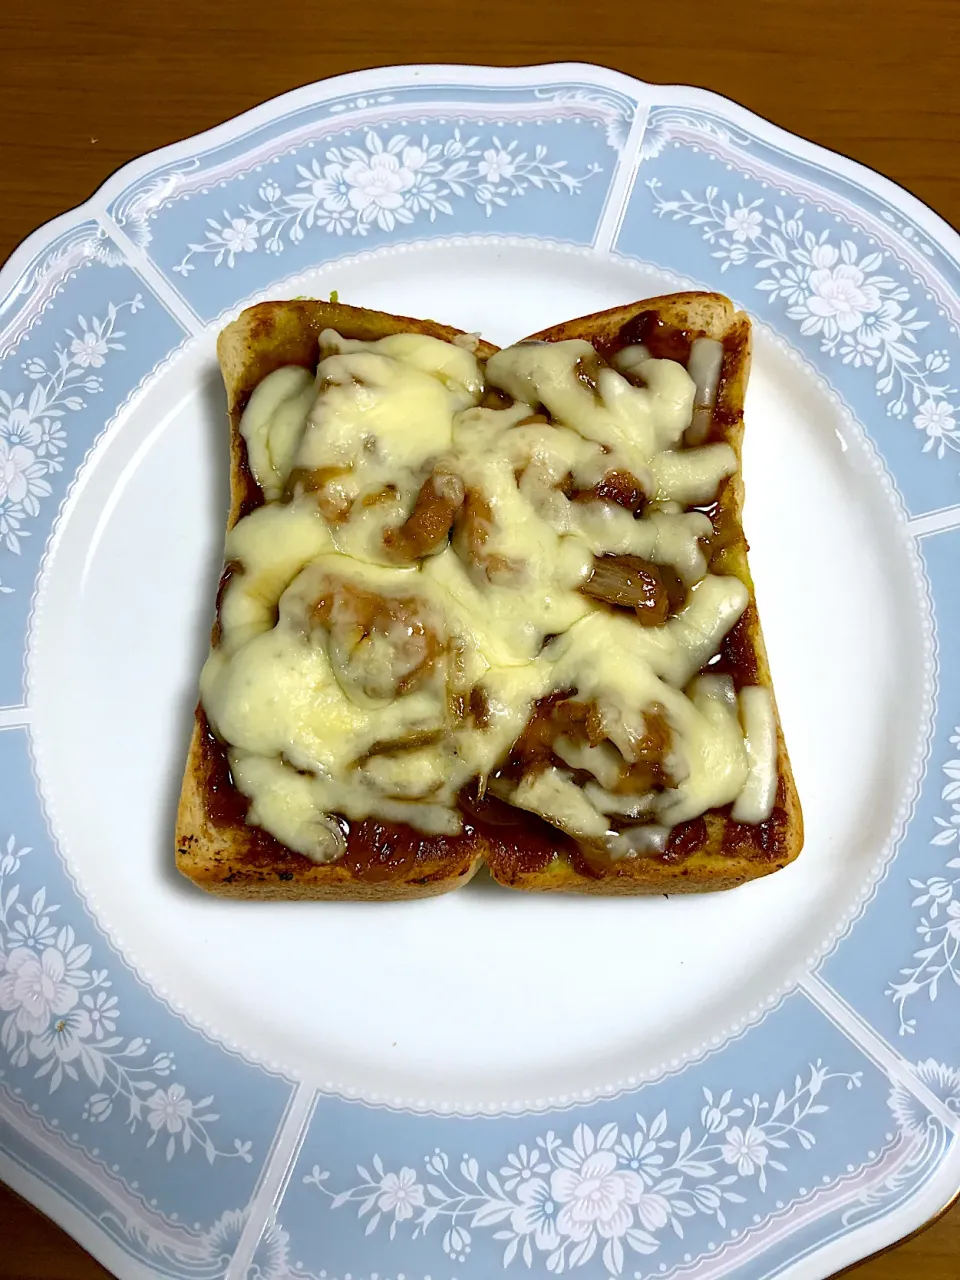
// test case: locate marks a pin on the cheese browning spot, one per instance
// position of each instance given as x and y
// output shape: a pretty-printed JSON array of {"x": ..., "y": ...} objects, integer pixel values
[{"x": 476, "y": 579}]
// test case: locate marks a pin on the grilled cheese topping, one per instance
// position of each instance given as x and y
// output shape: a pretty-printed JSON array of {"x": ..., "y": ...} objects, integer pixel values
[{"x": 439, "y": 594}]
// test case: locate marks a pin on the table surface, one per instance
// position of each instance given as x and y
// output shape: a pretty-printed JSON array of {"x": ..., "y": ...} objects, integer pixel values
[{"x": 86, "y": 87}]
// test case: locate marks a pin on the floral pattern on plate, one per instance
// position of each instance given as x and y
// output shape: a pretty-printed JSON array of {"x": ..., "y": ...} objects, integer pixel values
[
  {"x": 383, "y": 183},
  {"x": 604, "y": 1191},
  {"x": 610, "y": 1190},
  {"x": 834, "y": 290},
  {"x": 32, "y": 428},
  {"x": 61, "y": 1019},
  {"x": 938, "y": 960}
]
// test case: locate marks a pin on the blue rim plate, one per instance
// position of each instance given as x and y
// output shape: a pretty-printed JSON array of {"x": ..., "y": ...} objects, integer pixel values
[{"x": 756, "y": 1084}]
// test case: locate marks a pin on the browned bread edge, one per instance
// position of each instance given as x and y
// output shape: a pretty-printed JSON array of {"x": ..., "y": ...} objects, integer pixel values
[
  {"x": 232, "y": 858},
  {"x": 237, "y": 860},
  {"x": 731, "y": 853}
]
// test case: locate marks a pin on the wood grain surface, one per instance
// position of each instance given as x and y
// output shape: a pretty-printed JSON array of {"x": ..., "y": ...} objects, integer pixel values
[{"x": 85, "y": 86}]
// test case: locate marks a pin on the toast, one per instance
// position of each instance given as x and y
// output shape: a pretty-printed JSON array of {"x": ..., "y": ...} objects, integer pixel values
[
  {"x": 223, "y": 852},
  {"x": 215, "y": 847},
  {"x": 711, "y": 852}
]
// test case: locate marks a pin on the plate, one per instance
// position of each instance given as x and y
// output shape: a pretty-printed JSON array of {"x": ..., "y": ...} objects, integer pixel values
[{"x": 759, "y": 1083}]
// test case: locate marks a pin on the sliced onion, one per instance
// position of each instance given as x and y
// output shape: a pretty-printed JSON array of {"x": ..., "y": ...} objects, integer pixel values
[
  {"x": 630, "y": 360},
  {"x": 638, "y": 840},
  {"x": 692, "y": 475},
  {"x": 704, "y": 365},
  {"x": 468, "y": 341},
  {"x": 555, "y": 797},
  {"x": 713, "y": 607},
  {"x": 327, "y": 839},
  {"x": 755, "y": 801},
  {"x": 632, "y": 583},
  {"x": 625, "y": 806},
  {"x": 604, "y": 762},
  {"x": 720, "y": 688}
]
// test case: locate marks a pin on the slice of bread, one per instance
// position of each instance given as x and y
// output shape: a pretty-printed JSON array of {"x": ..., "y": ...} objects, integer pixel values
[
  {"x": 216, "y": 848},
  {"x": 711, "y": 852},
  {"x": 222, "y": 853}
]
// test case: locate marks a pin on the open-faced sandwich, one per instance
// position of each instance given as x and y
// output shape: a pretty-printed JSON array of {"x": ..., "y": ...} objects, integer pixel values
[{"x": 485, "y": 606}]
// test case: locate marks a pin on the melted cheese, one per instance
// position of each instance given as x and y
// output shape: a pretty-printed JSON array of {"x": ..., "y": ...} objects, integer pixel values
[
  {"x": 553, "y": 796},
  {"x": 692, "y": 475},
  {"x": 755, "y": 802},
  {"x": 273, "y": 424},
  {"x": 632, "y": 423},
  {"x": 269, "y": 548},
  {"x": 383, "y": 418},
  {"x": 342, "y": 681}
]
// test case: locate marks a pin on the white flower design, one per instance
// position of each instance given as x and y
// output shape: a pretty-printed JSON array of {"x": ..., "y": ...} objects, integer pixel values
[
  {"x": 881, "y": 325},
  {"x": 522, "y": 1165},
  {"x": 854, "y": 350},
  {"x": 30, "y": 930},
  {"x": 331, "y": 190},
  {"x": 385, "y": 182},
  {"x": 240, "y": 235},
  {"x": 19, "y": 427},
  {"x": 744, "y": 222},
  {"x": 32, "y": 435},
  {"x": 939, "y": 929},
  {"x": 839, "y": 296},
  {"x": 496, "y": 165},
  {"x": 838, "y": 292},
  {"x": 746, "y": 1149},
  {"x": 269, "y": 1261},
  {"x": 169, "y": 1109},
  {"x": 102, "y": 1012},
  {"x": 61, "y": 1019},
  {"x": 192, "y": 1252},
  {"x": 64, "y": 1038},
  {"x": 36, "y": 988},
  {"x": 535, "y": 1215},
  {"x": 89, "y": 350},
  {"x": 595, "y": 1196},
  {"x": 605, "y": 1189},
  {"x": 376, "y": 187},
  {"x": 912, "y": 1116},
  {"x": 51, "y": 441},
  {"x": 400, "y": 1194},
  {"x": 21, "y": 477},
  {"x": 935, "y": 418}
]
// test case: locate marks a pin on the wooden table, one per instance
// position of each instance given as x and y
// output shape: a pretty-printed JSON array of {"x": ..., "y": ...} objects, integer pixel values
[{"x": 85, "y": 86}]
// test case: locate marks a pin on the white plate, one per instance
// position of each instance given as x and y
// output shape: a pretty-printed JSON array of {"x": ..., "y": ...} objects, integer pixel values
[{"x": 700, "y": 1011}]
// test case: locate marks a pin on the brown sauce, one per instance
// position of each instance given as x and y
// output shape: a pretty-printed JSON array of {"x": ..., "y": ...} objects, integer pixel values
[
  {"x": 520, "y": 843},
  {"x": 760, "y": 842},
  {"x": 737, "y": 657},
  {"x": 427, "y": 528},
  {"x": 376, "y": 851},
  {"x": 230, "y": 570},
  {"x": 616, "y": 486},
  {"x": 663, "y": 341},
  {"x": 727, "y": 536},
  {"x": 685, "y": 839}
]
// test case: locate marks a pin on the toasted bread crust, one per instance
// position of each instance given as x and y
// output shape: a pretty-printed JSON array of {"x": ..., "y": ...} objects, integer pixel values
[
  {"x": 223, "y": 854},
  {"x": 727, "y": 853}
]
